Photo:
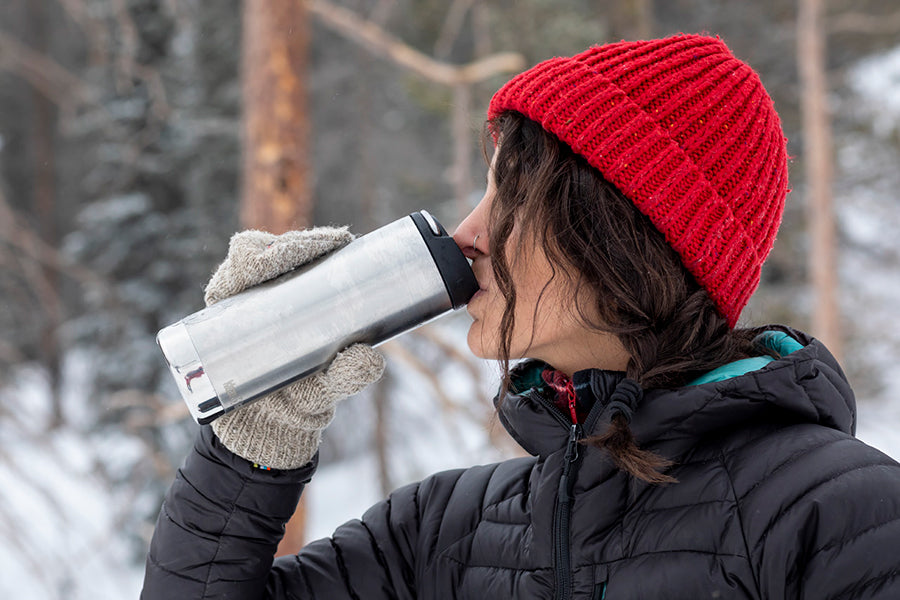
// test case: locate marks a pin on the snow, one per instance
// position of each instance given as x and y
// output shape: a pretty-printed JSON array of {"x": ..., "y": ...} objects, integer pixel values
[
  {"x": 878, "y": 427},
  {"x": 868, "y": 221},
  {"x": 340, "y": 492},
  {"x": 877, "y": 81},
  {"x": 116, "y": 209},
  {"x": 60, "y": 521}
]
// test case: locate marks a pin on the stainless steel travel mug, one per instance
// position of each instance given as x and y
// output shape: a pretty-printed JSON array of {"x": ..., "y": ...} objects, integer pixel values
[{"x": 374, "y": 288}]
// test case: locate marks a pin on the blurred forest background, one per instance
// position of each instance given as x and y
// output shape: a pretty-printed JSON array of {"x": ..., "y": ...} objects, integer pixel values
[{"x": 137, "y": 135}]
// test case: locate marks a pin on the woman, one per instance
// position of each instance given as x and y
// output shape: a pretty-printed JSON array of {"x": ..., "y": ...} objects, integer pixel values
[{"x": 634, "y": 193}]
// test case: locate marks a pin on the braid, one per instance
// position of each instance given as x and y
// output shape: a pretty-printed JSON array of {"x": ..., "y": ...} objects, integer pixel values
[
  {"x": 618, "y": 440},
  {"x": 619, "y": 443}
]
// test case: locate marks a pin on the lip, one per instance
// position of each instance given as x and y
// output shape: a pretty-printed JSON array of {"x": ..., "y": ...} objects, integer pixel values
[
  {"x": 475, "y": 296},
  {"x": 480, "y": 275}
]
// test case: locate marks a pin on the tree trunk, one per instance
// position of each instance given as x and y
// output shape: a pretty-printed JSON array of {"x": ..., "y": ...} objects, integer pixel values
[
  {"x": 382, "y": 401},
  {"x": 462, "y": 148},
  {"x": 276, "y": 192},
  {"x": 644, "y": 18},
  {"x": 817, "y": 151},
  {"x": 44, "y": 116}
]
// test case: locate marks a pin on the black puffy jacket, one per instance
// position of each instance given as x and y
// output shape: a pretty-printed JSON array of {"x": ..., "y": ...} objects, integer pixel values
[{"x": 775, "y": 499}]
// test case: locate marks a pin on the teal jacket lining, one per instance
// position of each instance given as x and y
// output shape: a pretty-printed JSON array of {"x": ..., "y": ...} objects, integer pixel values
[{"x": 778, "y": 341}]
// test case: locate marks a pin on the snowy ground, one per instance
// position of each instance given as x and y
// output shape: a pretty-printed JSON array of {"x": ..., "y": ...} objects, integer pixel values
[
  {"x": 879, "y": 426},
  {"x": 60, "y": 530}
]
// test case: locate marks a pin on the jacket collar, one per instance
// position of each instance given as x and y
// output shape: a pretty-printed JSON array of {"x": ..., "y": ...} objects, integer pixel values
[
  {"x": 530, "y": 416},
  {"x": 806, "y": 386}
]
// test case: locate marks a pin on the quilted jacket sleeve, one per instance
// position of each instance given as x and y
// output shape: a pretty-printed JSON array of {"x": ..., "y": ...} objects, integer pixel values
[
  {"x": 222, "y": 520},
  {"x": 835, "y": 534},
  {"x": 369, "y": 558}
]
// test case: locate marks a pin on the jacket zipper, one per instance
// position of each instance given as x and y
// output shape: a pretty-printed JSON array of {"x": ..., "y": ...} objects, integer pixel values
[
  {"x": 563, "y": 514},
  {"x": 561, "y": 549}
]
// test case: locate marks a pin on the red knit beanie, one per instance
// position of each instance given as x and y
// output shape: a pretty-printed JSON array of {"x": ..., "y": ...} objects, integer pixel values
[{"x": 686, "y": 131}]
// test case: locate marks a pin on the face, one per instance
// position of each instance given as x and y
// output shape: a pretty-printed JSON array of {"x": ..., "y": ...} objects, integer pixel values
[{"x": 547, "y": 325}]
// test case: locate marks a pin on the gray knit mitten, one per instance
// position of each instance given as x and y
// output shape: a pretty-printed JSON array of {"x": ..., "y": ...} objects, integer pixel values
[{"x": 283, "y": 430}]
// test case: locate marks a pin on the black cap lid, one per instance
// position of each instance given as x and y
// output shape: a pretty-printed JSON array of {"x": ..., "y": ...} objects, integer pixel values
[{"x": 451, "y": 262}]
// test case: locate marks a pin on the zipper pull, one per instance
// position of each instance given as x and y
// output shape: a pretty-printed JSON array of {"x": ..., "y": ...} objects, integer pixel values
[
  {"x": 572, "y": 445},
  {"x": 571, "y": 457}
]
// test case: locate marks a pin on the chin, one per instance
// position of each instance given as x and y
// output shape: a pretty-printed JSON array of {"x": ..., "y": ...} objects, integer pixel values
[{"x": 481, "y": 347}]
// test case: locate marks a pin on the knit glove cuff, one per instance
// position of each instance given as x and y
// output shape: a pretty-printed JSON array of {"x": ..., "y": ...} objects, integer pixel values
[{"x": 283, "y": 430}]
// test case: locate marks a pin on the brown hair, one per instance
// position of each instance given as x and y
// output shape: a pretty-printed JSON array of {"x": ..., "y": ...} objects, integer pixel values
[{"x": 598, "y": 240}]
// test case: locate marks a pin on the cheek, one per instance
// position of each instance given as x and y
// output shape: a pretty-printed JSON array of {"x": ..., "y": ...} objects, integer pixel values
[{"x": 544, "y": 311}]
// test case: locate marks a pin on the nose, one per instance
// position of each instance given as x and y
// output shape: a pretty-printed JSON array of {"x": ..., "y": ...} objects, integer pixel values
[{"x": 471, "y": 235}]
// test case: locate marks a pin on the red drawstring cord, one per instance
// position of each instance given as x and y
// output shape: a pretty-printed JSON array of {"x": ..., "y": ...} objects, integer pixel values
[
  {"x": 570, "y": 393},
  {"x": 565, "y": 391}
]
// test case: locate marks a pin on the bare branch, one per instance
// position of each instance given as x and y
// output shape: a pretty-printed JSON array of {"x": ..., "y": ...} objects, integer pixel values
[
  {"x": 45, "y": 74},
  {"x": 471, "y": 410},
  {"x": 12, "y": 531},
  {"x": 382, "y": 10},
  {"x": 430, "y": 333},
  {"x": 95, "y": 33},
  {"x": 459, "y": 77},
  {"x": 453, "y": 22},
  {"x": 498, "y": 436},
  {"x": 15, "y": 232},
  {"x": 125, "y": 62},
  {"x": 157, "y": 90},
  {"x": 9, "y": 353},
  {"x": 481, "y": 28},
  {"x": 398, "y": 351},
  {"x": 384, "y": 44},
  {"x": 863, "y": 23},
  {"x": 157, "y": 410}
]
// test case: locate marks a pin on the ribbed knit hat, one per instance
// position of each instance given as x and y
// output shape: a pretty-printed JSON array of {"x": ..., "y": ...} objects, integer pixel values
[{"x": 687, "y": 132}]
